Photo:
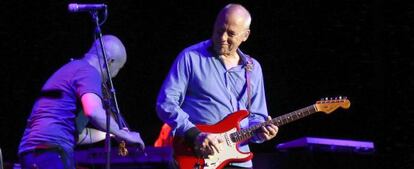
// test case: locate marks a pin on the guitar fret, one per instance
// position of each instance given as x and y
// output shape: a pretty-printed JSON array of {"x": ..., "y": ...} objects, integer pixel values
[
  {"x": 309, "y": 110},
  {"x": 283, "y": 120},
  {"x": 298, "y": 115},
  {"x": 279, "y": 122},
  {"x": 238, "y": 136}
]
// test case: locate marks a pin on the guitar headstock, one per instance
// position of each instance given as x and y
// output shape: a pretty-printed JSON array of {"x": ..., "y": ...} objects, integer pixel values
[{"x": 328, "y": 105}]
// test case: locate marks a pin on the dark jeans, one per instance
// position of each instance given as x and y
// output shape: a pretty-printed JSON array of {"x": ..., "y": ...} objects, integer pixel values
[{"x": 51, "y": 158}]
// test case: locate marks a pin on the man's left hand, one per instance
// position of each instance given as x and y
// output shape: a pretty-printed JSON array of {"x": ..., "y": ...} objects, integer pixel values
[{"x": 267, "y": 132}]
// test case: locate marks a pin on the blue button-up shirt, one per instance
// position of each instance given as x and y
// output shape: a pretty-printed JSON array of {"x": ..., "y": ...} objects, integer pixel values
[{"x": 200, "y": 90}]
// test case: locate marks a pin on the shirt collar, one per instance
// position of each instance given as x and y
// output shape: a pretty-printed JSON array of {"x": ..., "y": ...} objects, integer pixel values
[{"x": 244, "y": 57}]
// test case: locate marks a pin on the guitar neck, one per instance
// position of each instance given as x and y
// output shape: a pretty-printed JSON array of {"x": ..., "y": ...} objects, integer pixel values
[{"x": 247, "y": 133}]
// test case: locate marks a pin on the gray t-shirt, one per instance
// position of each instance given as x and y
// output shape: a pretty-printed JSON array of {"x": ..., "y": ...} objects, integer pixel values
[{"x": 52, "y": 121}]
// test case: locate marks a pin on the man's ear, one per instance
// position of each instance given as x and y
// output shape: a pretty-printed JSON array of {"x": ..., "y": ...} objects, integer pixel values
[
  {"x": 110, "y": 61},
  {"x": 246, "y": 35}
]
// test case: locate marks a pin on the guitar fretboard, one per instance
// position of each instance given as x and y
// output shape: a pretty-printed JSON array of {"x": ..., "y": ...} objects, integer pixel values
[{"x": 247, "y": 133}]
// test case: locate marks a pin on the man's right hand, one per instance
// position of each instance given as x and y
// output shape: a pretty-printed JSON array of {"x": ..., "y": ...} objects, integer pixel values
[
  {"x": 132, "y": 137},
  {"x": 207, "y": 143}
]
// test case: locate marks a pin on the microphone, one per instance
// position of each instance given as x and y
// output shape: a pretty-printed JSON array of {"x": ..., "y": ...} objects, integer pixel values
[{"x": 74, "y": 7}]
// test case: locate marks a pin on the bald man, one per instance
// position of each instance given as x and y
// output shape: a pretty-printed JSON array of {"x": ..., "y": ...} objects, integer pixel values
[
  {"x": 50, "y": 135},
  {"x": 209, "y": 81}
]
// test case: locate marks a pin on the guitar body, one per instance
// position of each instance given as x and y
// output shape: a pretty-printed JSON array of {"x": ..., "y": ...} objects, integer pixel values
[{"x": 187, "y": 158}]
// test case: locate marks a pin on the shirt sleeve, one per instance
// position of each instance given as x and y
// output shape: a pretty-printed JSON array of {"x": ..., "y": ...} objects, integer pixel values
[
  {"x": 258, "y": 109},
  {"x": 172, "y": 94},
  {"x": 87, "y": 80}
]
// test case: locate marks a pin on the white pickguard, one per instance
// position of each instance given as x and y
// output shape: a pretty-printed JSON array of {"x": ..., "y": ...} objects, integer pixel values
[{"x": 227, "y": 150}]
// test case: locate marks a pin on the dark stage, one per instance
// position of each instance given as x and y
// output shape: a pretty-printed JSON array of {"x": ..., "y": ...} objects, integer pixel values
[{"x": 308, "y": 50}]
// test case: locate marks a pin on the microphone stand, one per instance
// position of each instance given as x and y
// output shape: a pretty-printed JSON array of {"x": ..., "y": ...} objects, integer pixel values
[{"x": 108, "y": 75}]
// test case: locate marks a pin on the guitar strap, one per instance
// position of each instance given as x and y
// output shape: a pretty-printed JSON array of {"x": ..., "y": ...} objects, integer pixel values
[{"x": 249, "y": 69}]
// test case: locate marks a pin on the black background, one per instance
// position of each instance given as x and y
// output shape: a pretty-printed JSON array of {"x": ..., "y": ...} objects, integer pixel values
[{"x": 308, "y": 49}]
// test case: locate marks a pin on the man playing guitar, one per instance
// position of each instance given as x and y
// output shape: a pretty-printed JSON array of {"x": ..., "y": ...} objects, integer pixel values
[{"x": 208, "y": 82}]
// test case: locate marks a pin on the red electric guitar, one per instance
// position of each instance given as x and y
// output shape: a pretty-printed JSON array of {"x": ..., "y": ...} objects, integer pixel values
[{"x": 229, "y": 130}]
